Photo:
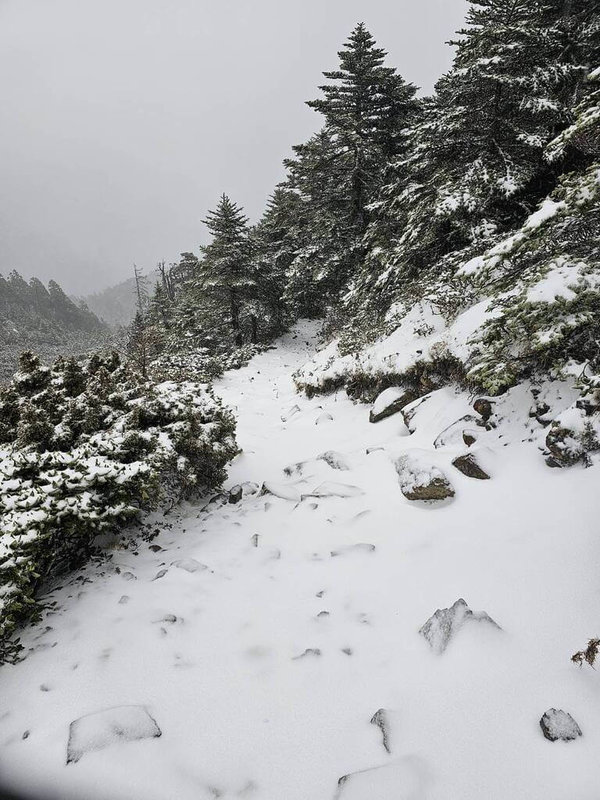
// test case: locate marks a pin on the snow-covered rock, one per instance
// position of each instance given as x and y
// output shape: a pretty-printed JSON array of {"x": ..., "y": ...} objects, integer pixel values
[
  {"x": 557, "y": 724},
  {"x": 389, "y": 402},
  {"x": 446, "y": 622},
  {"x": 380, "y": 720},
  {"x": 235, "y": 494},
  {"x": 334, "y": 460},
  {"x": 454, "y": 433},
  {"x": 324, "y": 417},
  {"x": 331, "y": 489},
  {"x": 110, "y": 726},
  {"x": 189, "y": 565},
  {"x": 360, "y": 547},
  {"x": 405, "y": 779},
  {"x": 420, "y": 479},
  {"x": 283, "y": 490}
]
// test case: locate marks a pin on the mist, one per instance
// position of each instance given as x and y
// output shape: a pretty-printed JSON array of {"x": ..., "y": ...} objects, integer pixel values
[{"x": 122, "y": 121}]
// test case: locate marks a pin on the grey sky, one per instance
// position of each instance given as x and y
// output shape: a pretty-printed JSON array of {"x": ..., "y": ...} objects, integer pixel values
[{"x": 122, "y": 121}]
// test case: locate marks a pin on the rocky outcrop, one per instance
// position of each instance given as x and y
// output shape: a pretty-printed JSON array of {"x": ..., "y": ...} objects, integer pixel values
[
  {"x": 282, "y": 490},
  {"x": 111, "y": 726},
  {"x": 422, "y": 480},
  {"x": 557, "y": 724},
  {"x": 446, "y": 622}
]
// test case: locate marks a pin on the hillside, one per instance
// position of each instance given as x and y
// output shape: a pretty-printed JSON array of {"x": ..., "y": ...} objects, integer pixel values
[
  {"x": 277, "y": 642},
  {"x": 116, "y": 305},
  {"x": 42, "y": 318}
]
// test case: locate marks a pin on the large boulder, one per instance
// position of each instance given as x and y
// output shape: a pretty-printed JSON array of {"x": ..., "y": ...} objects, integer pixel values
[
  {"x": 410, "y": 410},
  {"x": 108, "y": 727},
  {"x": 557, "y": 724},
  {"x": 420, "y": 479},
  {"x": 446, "y": 622},
  {"x": 389, "y": 402}
]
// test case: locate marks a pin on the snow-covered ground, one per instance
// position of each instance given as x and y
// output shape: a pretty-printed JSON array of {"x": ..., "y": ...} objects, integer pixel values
[{"x": 275, "y": 632}]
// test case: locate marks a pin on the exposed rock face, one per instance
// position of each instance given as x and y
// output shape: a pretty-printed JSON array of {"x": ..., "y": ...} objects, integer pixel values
[
  {"x": 421, "y": 480},
  {"x": 446, "y": 622},
  {"x": 468, "y": 465},
  {"x": 235, "y": 494},
  {"x": 389, "y": 402},
  {"x": 108, "y": 727},
  {"x": 483, "y": 407},
  {"x": 469, "y": 437},
  {"x": 557, "y": 724}
]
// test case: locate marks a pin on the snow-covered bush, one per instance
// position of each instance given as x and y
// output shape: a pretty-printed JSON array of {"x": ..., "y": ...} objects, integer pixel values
[{"x": 86, "y": 451}]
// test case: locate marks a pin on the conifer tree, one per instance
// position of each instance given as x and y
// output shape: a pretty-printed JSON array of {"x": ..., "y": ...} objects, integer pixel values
[{"x": 225, "y": 271}]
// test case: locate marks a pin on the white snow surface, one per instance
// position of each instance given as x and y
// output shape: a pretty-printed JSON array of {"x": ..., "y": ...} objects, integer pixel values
[{"x": 258, "y": 693}]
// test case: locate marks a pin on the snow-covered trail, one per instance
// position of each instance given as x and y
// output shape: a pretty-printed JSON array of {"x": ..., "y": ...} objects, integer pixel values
[{"x": 264, "y": 666}]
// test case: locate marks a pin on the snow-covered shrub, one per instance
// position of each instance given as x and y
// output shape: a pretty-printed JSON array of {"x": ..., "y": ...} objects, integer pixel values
[{"x": 86, "y": 451}]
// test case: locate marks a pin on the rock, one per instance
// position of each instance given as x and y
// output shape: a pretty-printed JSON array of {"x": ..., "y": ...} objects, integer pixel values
[
  {"x": 189, "y": 565},
  {"x": 453, "y": 434},
  {"x": 156, "y": 548},
  {"x": 557, "y": 724},
  {"x": 311, "y": 651},
  {"x": 421, "y": 480},
  {"x": 254, "y": 540},
  {"x": 324, "y": 417},
  {"x": 105, "y": 728},
  {"x": 360, "y": 547},
  {"x": 160, "y": 574},
  {"x": 334, "y": 460},
  {"x": 282, "y": 490},
  {"x": 389, "y": 402},
  {"x": 291, "y": 413},
  {"x": 409, "y": 411},
  {"x": 483, "y": 407},
  {"x": 469, "y": 437},
  {"x": 380, "y": 719},
  {"x": 468, "y": 465},
  {"x": 405, "y": 779},
  {"x": 123, "y": 599},
  {"x": 235, "y": 494},
  {"x": 331, "y": 489},
  {"x": 374, "y": 449},
  {"x": 250, "y": 488},
  {"x": 446, "y": 622}
]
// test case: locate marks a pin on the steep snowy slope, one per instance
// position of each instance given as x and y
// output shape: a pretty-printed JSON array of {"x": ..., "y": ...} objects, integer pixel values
[{"x": 263, "y": 637}]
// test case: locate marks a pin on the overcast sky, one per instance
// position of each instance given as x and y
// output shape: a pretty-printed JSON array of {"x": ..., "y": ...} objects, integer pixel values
[{"x": 122, "y": 121}]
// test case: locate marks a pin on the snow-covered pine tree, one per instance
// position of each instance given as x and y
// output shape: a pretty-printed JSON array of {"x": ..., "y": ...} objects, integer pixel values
[
  {"x": 225, "y": 271},
  {"x": 476, "y": 165},
  {"x": 339, "y": 171}
]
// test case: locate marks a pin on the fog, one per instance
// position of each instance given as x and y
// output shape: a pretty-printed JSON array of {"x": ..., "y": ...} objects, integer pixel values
[{"x": 122, "y": 121}]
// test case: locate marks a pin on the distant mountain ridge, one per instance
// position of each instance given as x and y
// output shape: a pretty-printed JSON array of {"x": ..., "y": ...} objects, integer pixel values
[{"x": 116, "y": 305}]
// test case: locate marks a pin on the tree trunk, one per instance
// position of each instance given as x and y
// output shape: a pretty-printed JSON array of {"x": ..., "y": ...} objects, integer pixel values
[
  {"x": 235, "y": 319},
  {"x": 254, "y": 323}
]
